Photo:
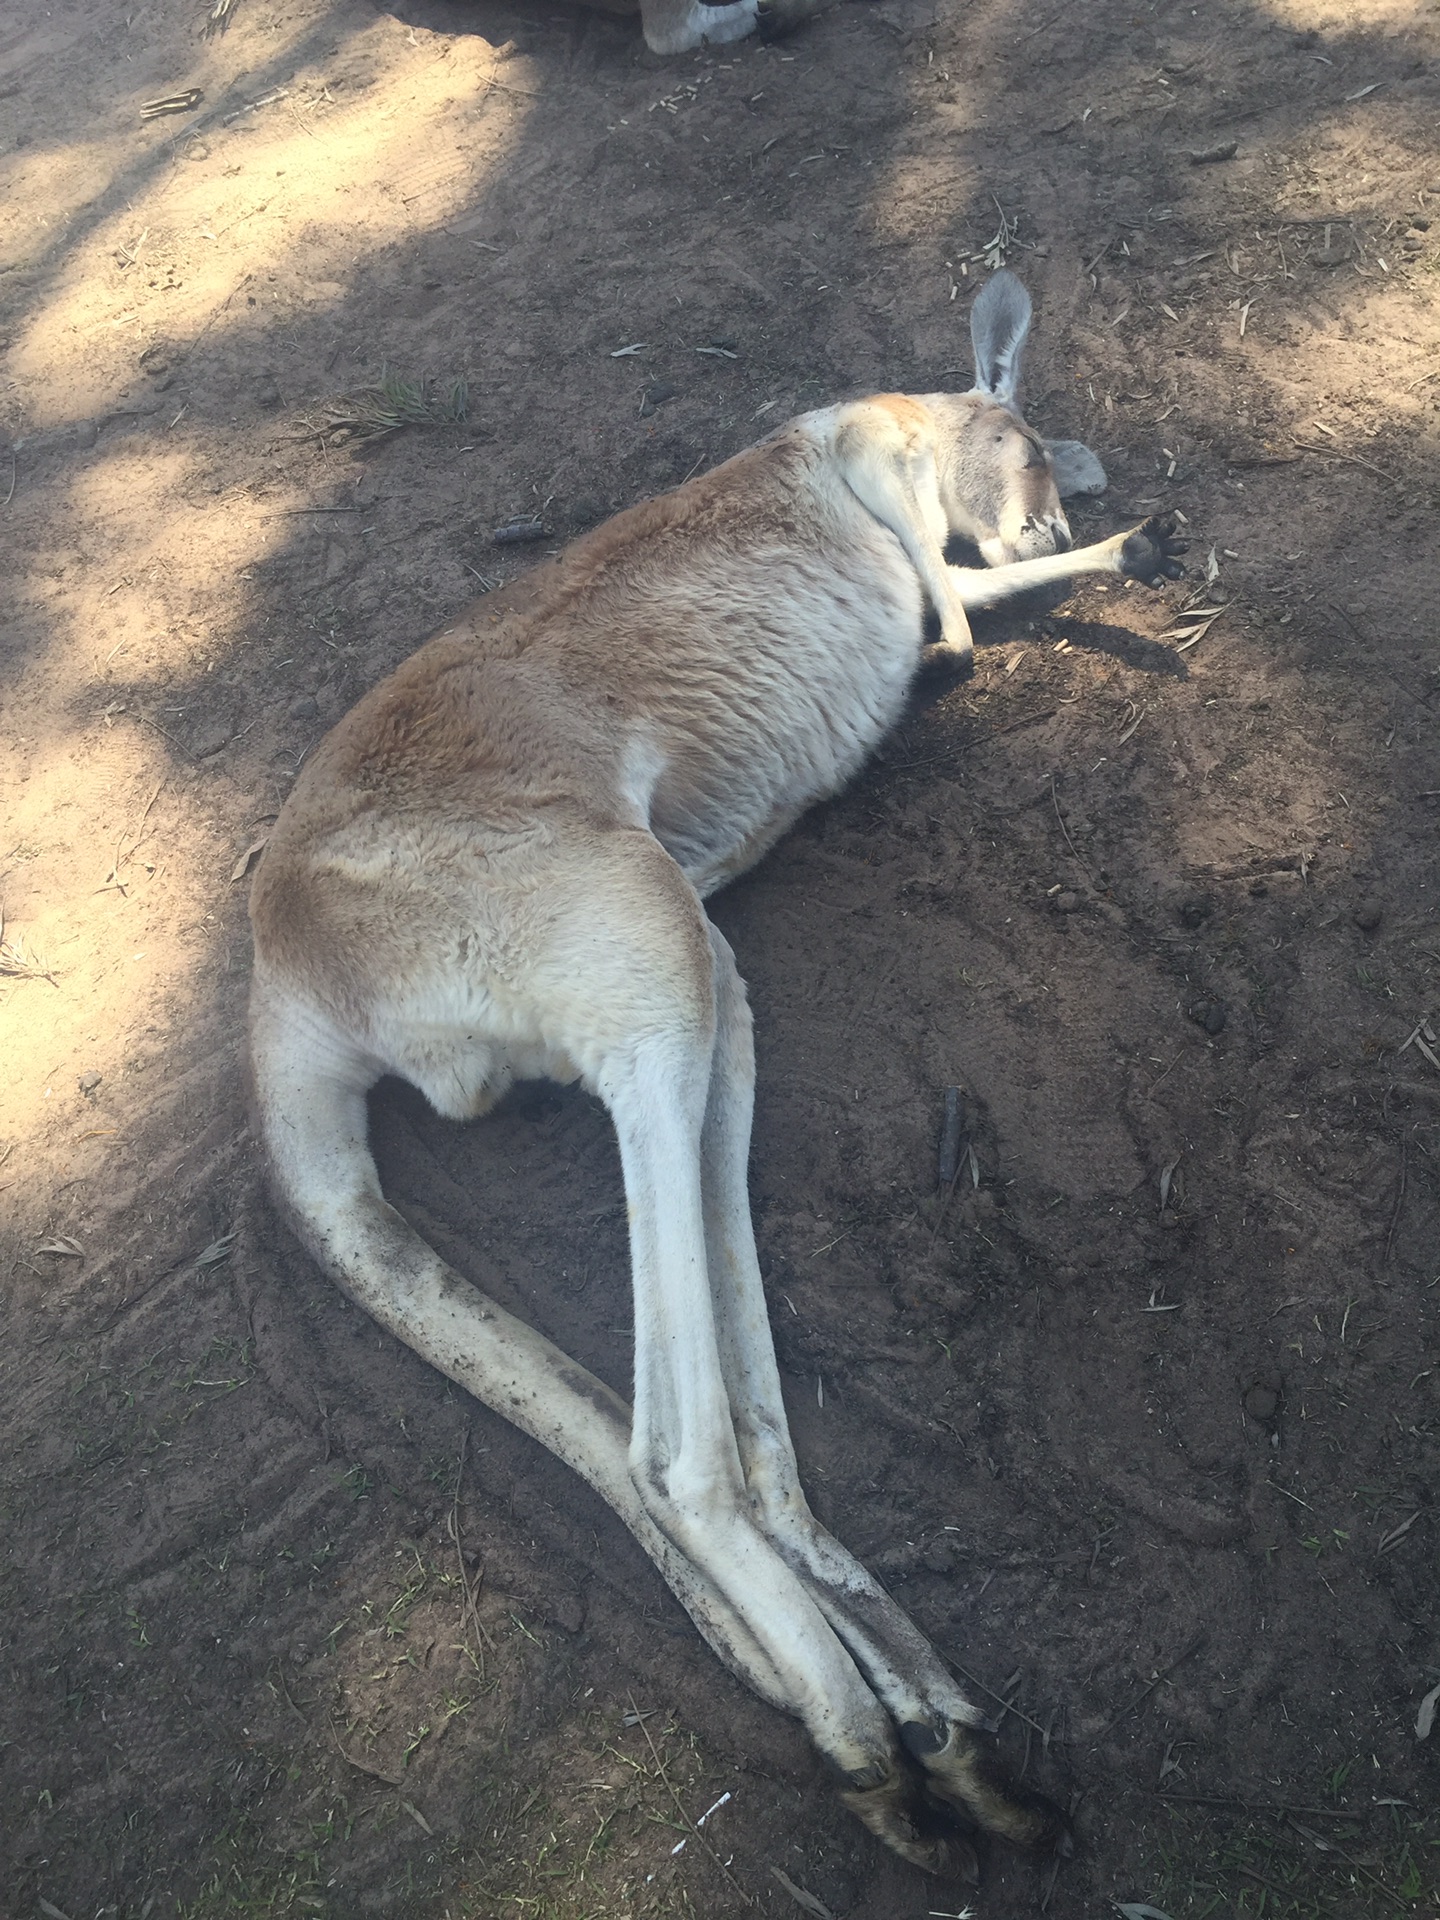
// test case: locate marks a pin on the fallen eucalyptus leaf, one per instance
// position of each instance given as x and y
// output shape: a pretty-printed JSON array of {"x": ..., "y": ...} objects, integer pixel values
[
  {"x": 246, "y": 861},
  {"x": 807, "y": 1901}
]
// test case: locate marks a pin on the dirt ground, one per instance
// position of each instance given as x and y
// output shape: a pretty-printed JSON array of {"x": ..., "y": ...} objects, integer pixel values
[{"x": 1141, "y": 1422}]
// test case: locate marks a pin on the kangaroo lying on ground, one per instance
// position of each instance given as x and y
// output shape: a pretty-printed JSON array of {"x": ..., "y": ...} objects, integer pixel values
[{"x": 493, "y": 870}]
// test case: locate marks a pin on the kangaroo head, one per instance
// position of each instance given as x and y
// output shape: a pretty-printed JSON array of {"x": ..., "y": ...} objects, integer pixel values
[{"x": 1001, "y": 484}]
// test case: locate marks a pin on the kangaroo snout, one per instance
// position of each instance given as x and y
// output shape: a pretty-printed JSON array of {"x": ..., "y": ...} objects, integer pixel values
[{"x": 1040, "y": 535}]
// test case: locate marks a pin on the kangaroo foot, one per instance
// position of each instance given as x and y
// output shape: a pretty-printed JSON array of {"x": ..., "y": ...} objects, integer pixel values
[
  {"x": 899, "y": 1811},
  {"x": 960, "y": 1774}
]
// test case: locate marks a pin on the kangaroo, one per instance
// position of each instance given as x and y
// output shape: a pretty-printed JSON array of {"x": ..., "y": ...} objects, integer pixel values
[{"x": 494, "y": 869}]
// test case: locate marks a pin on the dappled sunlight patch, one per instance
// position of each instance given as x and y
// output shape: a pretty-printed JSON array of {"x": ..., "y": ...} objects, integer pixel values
[
  {"x": 101, "y": 864},
  {"x": 1349, "y": 16},
  {"x": 42, "y": 190},
  {"x": 329, "y": 154}
]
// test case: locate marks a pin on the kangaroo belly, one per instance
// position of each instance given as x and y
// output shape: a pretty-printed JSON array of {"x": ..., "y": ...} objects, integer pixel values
[{"x": 789, "y": 726}]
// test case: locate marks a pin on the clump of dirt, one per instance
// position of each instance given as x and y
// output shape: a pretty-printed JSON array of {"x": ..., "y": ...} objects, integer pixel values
[{"x": 1139, "y": 1419}]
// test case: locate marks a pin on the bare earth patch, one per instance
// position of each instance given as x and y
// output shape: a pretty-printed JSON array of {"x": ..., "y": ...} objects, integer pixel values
[{"x": 1139, "y": 1418}]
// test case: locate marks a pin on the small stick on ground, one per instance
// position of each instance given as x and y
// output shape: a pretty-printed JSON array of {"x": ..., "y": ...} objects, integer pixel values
[
  {"x": 1333, "y": 1846},
  {"x": 1251, "y": 1874},
  {"x": 1379, "y": 658},
  {"x": 1351, "y": 459},
  {"x": 289, "y": 1697},
  {"x": 1395, "y": 1215},
  {"x": 1279, "y": 1808},
  {"x": 690, "y": 1826},
  {"x": 952, "y": 1160},
  {"x": 1055, "y": 802},
  {"x": 112, "y": 879},
  {"x": 998, "y": 1698},
  {"x": 469, "y": 1612},
  {"x": 1145, "y": 1692}
]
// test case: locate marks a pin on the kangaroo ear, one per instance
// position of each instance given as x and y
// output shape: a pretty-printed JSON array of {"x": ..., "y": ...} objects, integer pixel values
[
  {"x": 1076, "y": 468},
  {"x": 999, "y": 322}
]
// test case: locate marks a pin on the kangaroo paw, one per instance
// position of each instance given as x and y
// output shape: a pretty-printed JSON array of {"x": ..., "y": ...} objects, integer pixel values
[{"x": 1152, "y": 553}]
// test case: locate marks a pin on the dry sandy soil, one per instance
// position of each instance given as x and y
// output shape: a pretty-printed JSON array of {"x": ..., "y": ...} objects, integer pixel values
[{"x": 1141, "y": 1422}]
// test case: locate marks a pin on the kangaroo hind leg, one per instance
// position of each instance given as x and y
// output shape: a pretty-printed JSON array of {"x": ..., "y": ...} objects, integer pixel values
[{"x": 685, "y": 1461}]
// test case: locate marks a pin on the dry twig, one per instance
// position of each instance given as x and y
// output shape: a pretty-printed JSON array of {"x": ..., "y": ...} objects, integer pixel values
[
  {"x": 689, "y": 1824},
  {"x": 1146, "y": 1691}
]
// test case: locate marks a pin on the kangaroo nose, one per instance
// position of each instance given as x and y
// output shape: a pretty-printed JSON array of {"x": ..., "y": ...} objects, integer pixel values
[{"x": 1060, "y": 534}]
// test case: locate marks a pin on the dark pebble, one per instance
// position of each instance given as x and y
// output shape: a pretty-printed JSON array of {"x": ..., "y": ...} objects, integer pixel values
[
  {"x": 1066, "y": 902},
  {"x": 1195, "y": 911},
  {"x": 1368, "y": 915},
  {"x": 1209, "y": 1014},
  {"x": 566, "y": 1611},
  {"x": 207, "y": 741},
  {"x": 656, "y": 394},
  {"x": 1262, "y": 1403},
  {"x": 303, "y": 708},
  {"x": 89, "y": 1082}
]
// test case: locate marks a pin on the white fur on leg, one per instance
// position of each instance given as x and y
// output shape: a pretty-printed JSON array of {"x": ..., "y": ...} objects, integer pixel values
[
  {"x": 980, "y": 587},
  {"x": 678, "y": 26},
  {"x": 683, "y": 1453}
]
